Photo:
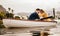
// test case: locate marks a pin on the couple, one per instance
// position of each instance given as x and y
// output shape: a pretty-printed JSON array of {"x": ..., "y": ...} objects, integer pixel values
[{"x": 38, "y": 14}]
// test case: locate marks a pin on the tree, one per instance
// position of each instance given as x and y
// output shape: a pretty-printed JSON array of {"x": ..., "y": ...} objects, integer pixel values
[
  {"x": 9, "y": 15},
  {"x": 9, "y": 9},
  {"x": 12, "y": 10},
  {"x": 2, "y": 15}
]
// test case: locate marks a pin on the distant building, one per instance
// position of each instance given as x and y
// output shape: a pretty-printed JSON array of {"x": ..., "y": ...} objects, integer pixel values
[{"x": 2, "y": 9}]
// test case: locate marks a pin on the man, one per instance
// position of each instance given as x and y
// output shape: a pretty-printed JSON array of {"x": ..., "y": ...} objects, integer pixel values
[{"x": 34, "y": 15}]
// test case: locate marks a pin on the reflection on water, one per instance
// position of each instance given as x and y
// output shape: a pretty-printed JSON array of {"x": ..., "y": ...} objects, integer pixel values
[
  {"x": 21, "y": 31},
  {"x": 2, "y": 31},
  {"x": 14, "y": 32}
]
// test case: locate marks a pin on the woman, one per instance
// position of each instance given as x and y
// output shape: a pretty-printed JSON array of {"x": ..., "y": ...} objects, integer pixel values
[{"x": 42, "y": 14}]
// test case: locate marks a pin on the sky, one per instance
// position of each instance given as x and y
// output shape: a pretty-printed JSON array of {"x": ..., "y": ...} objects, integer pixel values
[{"x": 30, "y": 5}]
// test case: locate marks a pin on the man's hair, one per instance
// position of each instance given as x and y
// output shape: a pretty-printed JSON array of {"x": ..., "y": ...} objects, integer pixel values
[{"x": 38, "y": 9}]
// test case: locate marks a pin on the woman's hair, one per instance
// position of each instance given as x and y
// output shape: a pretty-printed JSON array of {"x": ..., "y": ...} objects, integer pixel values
[{"x": 42, "y": 10}]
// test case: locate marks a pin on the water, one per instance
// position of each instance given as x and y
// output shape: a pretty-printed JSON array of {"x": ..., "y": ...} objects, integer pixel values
[
  {"x": 14, "y": 32},
  {"x": 21, "y": 31}
]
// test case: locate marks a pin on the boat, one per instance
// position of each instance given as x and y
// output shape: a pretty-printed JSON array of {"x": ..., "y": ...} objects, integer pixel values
[{"x": 26, "y": 23}]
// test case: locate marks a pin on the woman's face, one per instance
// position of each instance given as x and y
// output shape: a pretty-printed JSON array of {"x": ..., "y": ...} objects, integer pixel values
[{"x": 41, "y": 12}]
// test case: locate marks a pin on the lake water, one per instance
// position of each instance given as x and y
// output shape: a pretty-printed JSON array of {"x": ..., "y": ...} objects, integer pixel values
[
  {"x": 15, "y": 32},
  {"x": 22, "y": 31}
]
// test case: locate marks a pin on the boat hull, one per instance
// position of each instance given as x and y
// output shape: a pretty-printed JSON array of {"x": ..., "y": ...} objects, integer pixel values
[{"x": 22, "y": 23}]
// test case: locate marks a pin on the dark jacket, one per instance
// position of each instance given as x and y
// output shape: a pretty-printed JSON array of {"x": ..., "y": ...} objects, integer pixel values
[{"x": 33, "y": 16}]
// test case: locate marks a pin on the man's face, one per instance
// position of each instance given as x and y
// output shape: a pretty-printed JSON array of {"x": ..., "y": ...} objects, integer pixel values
[{"x": 37, "y": 11}]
